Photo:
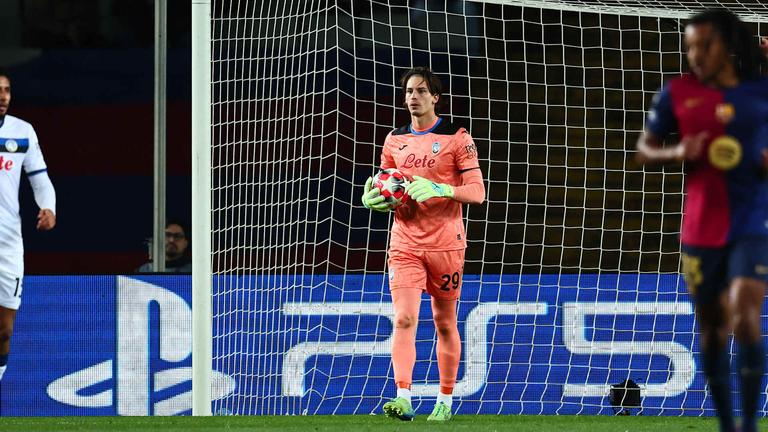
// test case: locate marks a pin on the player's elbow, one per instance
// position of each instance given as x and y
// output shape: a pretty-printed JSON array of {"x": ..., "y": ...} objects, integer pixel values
[
  {"x": 472, "y": 190},
  {"x": 641, "y": 153},
  {"x": 647, "y": 145},
  {"x": 474, "y": 194},
  {"x": 480, "y": 198},
  {"x": 640, "y": 157}
]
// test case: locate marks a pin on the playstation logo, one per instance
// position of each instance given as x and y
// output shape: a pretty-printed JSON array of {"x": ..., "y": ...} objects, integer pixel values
[{"x": 138, "y": 381}]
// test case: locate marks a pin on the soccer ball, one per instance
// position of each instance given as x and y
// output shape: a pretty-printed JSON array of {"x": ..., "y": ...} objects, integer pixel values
[{"x": 391, "y": 182}]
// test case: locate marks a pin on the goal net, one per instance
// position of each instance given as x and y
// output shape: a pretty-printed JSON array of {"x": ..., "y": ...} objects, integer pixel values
[{"x": 572, "y": 274}]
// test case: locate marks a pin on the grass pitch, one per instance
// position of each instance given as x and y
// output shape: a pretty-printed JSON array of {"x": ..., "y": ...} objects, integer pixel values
[{"x": 377, "y": 423}]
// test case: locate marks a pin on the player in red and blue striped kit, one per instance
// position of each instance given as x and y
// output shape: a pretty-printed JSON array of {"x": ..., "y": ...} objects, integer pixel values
[{"x": 720, "y": 111}]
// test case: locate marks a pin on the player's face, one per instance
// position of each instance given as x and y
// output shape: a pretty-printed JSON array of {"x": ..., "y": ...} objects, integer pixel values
[
  {"x": 418, "y": 99},
  {"x": 175, "y": 241},
  {"x": 5, "y": 94},
  {"x": 708, "y": 56}
]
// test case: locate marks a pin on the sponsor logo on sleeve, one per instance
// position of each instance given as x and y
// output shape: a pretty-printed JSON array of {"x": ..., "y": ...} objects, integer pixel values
[{"x": 471, "y": 150}]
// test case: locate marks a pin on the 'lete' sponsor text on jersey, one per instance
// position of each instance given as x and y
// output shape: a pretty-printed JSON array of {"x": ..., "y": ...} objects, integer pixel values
[{"x": 19, "y": 149}]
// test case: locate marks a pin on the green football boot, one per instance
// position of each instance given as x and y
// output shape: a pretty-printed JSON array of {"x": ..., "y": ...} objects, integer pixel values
[
  {"x": 441, "y": 413},
  {"x": 399, "y": 408}
]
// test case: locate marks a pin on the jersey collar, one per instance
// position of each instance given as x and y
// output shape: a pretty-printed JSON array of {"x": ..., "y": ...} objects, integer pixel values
[{"x": 426, "y": 131}]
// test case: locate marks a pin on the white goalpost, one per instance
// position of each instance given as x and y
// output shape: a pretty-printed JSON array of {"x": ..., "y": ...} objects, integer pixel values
[
  {"x": 572, "y": 279},
  {"x": 201, "y": 205}
]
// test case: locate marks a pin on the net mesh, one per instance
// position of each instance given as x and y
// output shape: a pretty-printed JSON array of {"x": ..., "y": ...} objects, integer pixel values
[{"x": 572, "y": 263}]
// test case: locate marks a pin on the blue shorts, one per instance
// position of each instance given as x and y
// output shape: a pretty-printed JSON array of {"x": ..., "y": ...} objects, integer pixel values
[{"x": 709, "y": 271}]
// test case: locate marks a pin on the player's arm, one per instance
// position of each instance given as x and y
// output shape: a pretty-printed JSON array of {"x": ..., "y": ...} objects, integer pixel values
[
  {"x": 661, "y": 121},
  {"x": 470, "y": 191},
  {"x": 37, "y": 172},
  {"x": 45, "y": 197},
  {"x": 650, "y": 149}
]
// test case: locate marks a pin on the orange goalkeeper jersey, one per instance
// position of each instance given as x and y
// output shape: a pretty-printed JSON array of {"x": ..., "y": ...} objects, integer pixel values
[{"x": 439, "y": 153}]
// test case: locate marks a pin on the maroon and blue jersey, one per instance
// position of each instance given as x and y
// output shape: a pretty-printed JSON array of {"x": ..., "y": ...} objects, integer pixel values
[{"x": 726, "y": 190}]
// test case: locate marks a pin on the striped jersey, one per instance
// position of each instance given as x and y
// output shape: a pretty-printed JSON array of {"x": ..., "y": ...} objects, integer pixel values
[{"x": 726, "y": 190}]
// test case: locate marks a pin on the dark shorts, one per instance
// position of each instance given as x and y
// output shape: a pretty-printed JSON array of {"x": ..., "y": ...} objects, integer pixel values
[{"x": 709, "y": 271}]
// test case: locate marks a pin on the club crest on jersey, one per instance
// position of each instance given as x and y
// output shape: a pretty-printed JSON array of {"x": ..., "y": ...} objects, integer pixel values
[
  {"x": 11, "y": 146},
  {"x": 435, "y": 147},
  {"x": 391, "y": 274},
  {"x": 724, "y": 112}
]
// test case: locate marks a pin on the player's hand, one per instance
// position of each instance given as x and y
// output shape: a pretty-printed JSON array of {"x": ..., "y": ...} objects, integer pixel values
[
  {"x": 691, "y": 146},
  {"x": 422, "y": 189},
  {"x": 764, "y": 46},
  {"x": 45, "y": 220},
  {"x": 372, "y": 198}
]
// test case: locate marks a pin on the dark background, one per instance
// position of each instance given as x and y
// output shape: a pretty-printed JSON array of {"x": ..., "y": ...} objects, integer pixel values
[
  {"x": 304, "y": 95},
  {"x": 82, "y": 75},
  {"x": 306, "y": 92}
]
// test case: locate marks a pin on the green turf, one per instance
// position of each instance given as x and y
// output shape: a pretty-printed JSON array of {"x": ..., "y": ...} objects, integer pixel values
[{"x": 359, "y": 423}]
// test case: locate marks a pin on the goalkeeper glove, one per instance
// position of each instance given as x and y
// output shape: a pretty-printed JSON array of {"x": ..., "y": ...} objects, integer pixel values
[
  {"x": 372, "y": 198},
  {"x": 422, "y": 189}
]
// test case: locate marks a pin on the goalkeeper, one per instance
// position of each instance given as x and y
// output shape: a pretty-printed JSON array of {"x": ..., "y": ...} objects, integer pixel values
[{"x": 426, "y": 251}]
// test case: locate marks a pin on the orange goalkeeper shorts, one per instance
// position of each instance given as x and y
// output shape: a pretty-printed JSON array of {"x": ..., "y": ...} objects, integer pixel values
[{"x": 437, "y": 272}]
